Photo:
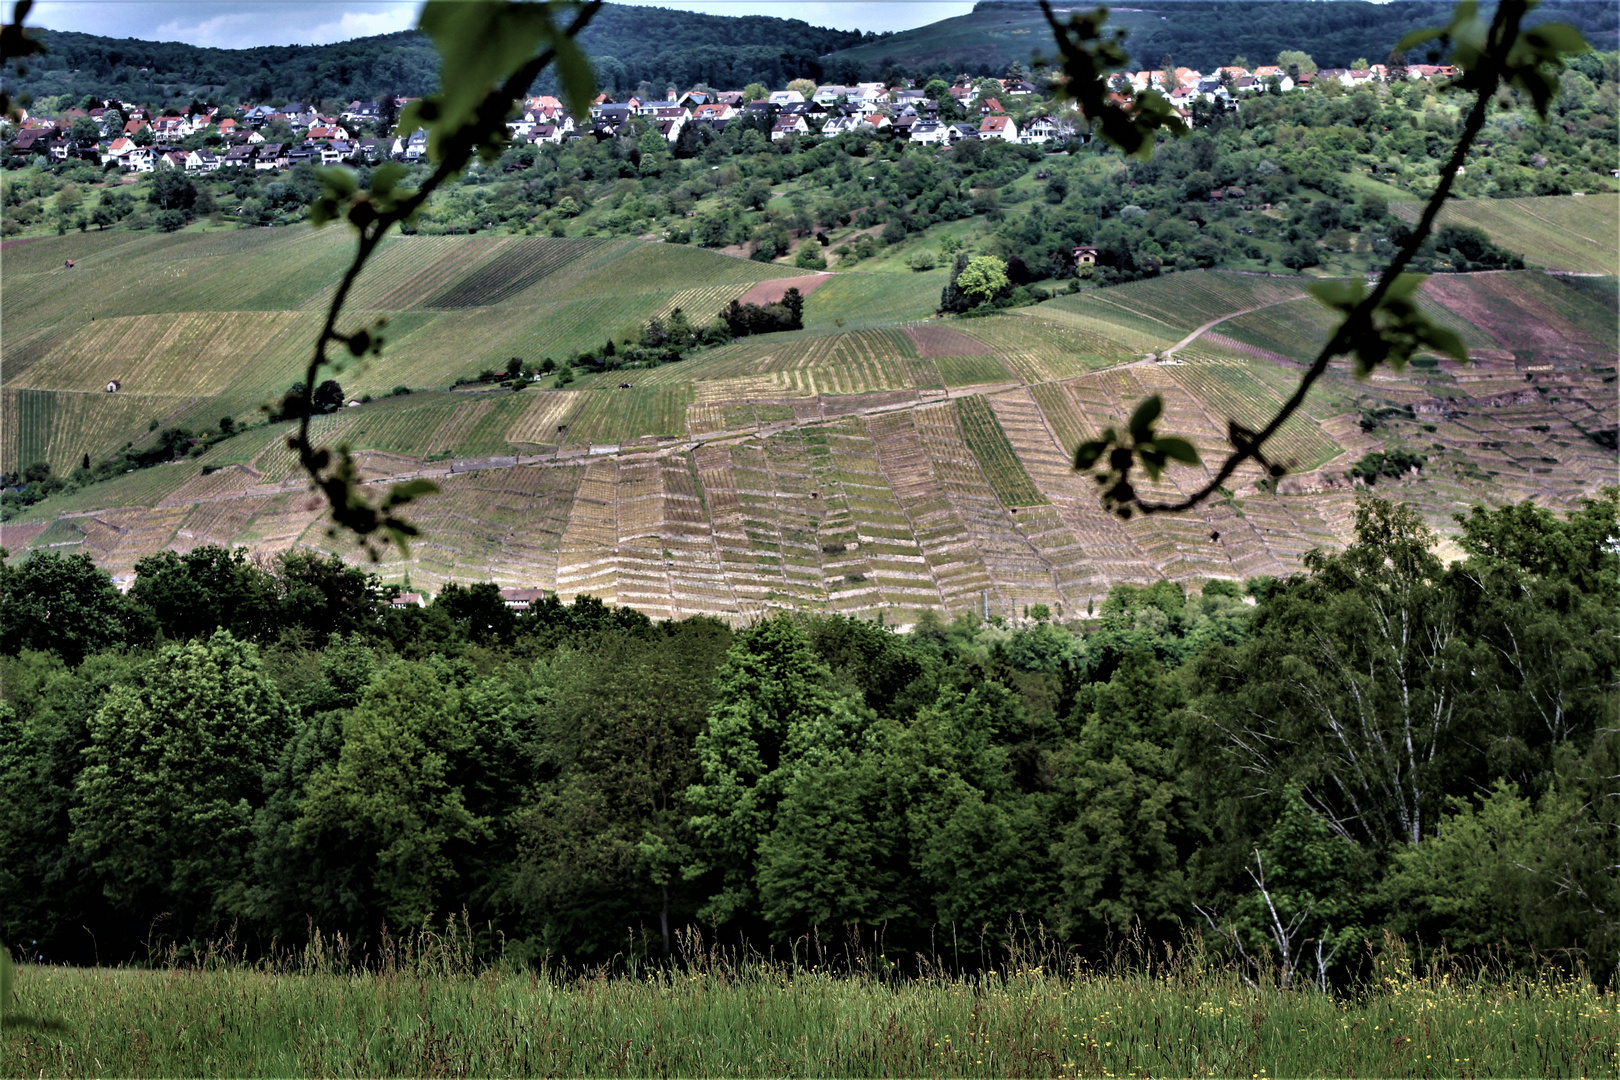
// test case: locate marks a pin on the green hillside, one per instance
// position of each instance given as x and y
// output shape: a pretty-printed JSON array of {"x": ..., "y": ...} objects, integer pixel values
[
  {"x": 1555, "y": 232},
  {"x": 628, "y": 44},
  {"x": 881, "y": 458},
  {"x": 1200, "y": 33}
]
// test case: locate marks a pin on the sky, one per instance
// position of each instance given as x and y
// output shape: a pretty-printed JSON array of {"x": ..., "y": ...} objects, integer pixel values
[{"x": 245, "y": 23}]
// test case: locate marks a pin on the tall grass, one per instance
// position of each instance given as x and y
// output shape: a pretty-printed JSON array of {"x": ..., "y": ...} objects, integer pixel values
[{"x": 425, "y": 1009}]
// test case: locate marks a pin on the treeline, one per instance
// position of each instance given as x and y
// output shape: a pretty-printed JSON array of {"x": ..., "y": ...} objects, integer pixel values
[
  {"x": 1205, "y": 34},
  {"x": 75, "y": 66},
  {"x": 651, "y": 49},
  {"x": 1380, "y": 742}
]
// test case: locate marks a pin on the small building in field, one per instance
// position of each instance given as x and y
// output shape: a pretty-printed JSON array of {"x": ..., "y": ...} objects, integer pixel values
[{"x": 522, "y": 599}]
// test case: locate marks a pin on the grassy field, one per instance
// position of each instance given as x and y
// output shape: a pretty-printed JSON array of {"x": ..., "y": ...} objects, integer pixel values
[
  {"x": 428, "y": 1015},
  {"x": 1557, "y": 232},
  {"x": 858, "y": 299}
]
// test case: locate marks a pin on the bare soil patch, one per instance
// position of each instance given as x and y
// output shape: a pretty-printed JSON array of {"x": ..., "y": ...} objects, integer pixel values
[
  {"x": 769, "y": 292},
  {"x": 17, "y": 537}
]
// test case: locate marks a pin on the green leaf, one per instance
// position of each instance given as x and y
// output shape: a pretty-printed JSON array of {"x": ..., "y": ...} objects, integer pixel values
[
  {"x": 574, "y": 74},
  {"x": 1141, "y": 424},
  {"x": 338, "y": 181},
  {"x": 1418, "y": 37},
  {"x": 1088, "y": 453},
  {"x": 338, "y": 189},
  {"x": 1177, "y": 449},
  {"x": 410, "y": 490},
  {"x": 481, "y": 44},
  {"x": 1446, "y": 341},
  {"x": 1560, "y": 39},
  {"x": 384, "y": 178},
  {"x": 1340, "y": 295}
]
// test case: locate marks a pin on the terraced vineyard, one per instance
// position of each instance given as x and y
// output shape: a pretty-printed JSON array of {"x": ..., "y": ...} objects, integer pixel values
[
  {"x": 995, "y": 454},
  {"x": 1229, "y": 392},
  {"x": 881, "y": 460}
]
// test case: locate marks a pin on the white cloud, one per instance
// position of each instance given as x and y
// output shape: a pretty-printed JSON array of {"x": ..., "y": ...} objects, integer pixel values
[
  {"x": 841, "y": 14},
  {"x": 229, "y": 23}
]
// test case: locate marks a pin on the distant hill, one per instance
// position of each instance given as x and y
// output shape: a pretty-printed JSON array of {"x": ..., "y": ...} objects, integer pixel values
[
  {"x": 643, "y": 47},
  {"x": 1200, "y": 33},
  {"x": 629, "y": 44}
]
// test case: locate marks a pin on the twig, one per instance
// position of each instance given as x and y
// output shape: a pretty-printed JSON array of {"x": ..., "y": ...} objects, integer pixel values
[
  {"x": 1504, "y": 29},
  {"x": 338, "y": 485}
]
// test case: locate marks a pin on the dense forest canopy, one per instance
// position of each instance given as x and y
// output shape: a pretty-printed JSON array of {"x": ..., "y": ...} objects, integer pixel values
[
  {"x": 635, "y": 47},
  {"x": 1207, "y": 33},
  {"x": 1393, "y": 743},
  {"x": 628, "y": 45}
]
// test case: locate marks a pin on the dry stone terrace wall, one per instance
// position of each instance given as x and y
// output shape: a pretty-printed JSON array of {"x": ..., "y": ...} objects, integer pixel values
[{"x": 888, "y": 511}]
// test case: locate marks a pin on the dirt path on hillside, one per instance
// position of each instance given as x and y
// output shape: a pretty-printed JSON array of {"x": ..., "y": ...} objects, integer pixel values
[{"x": 1190, "y": 338}]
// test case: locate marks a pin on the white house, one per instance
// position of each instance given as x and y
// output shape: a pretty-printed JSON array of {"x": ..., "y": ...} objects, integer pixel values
[
  {"x": 788, "y": 125},
  {"x": 998, "y": 127},
  {"x": 670, "y": 120},
  {"x": 1044, "y": 129}
]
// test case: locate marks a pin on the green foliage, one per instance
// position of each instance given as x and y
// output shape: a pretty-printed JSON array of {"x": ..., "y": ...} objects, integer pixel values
[
  {"x": 60, "y": 604},
  {"x": 175, "y": 766},
  {"x": 983, "y": 278},
  {"x": 389, "y": 801},
  {"x": 570, "y": 771},
  {"x": 773, "y": 717},
  {"x": 1392, "y": 331},
  {"x": 1134, "y": 824},
  {"x": 1503, "y": 869},
  {"x": 1140, "y": 442},
  {"x": 1394, "y": 463}
]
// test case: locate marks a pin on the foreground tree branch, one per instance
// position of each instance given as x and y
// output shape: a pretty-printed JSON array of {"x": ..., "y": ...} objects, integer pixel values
[
  {"x": 488, "y": 64},
  {"x": 1383, "y": 326}
]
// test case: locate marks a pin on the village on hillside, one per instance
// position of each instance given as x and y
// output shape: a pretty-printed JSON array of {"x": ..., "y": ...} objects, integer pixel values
[{"x": 280, "y": 135}]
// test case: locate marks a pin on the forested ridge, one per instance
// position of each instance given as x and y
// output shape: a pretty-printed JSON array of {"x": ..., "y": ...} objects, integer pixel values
[
  {"x": 636, "y": 43},
  {"x": 1208, "y": 33},
  {"x": 658, "y": 46},
  {"x": 1380, "y": 743}
]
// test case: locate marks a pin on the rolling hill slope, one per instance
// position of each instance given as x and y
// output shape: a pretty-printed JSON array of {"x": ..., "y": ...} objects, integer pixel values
[
  {"x": 1579, "y": 233},
  {"x": 1198, "y": 33},
  {"x": 891, "y": 463}
]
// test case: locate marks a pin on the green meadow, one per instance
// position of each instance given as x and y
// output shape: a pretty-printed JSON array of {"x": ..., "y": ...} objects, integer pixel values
[{"x": 425, "y": 1010}]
